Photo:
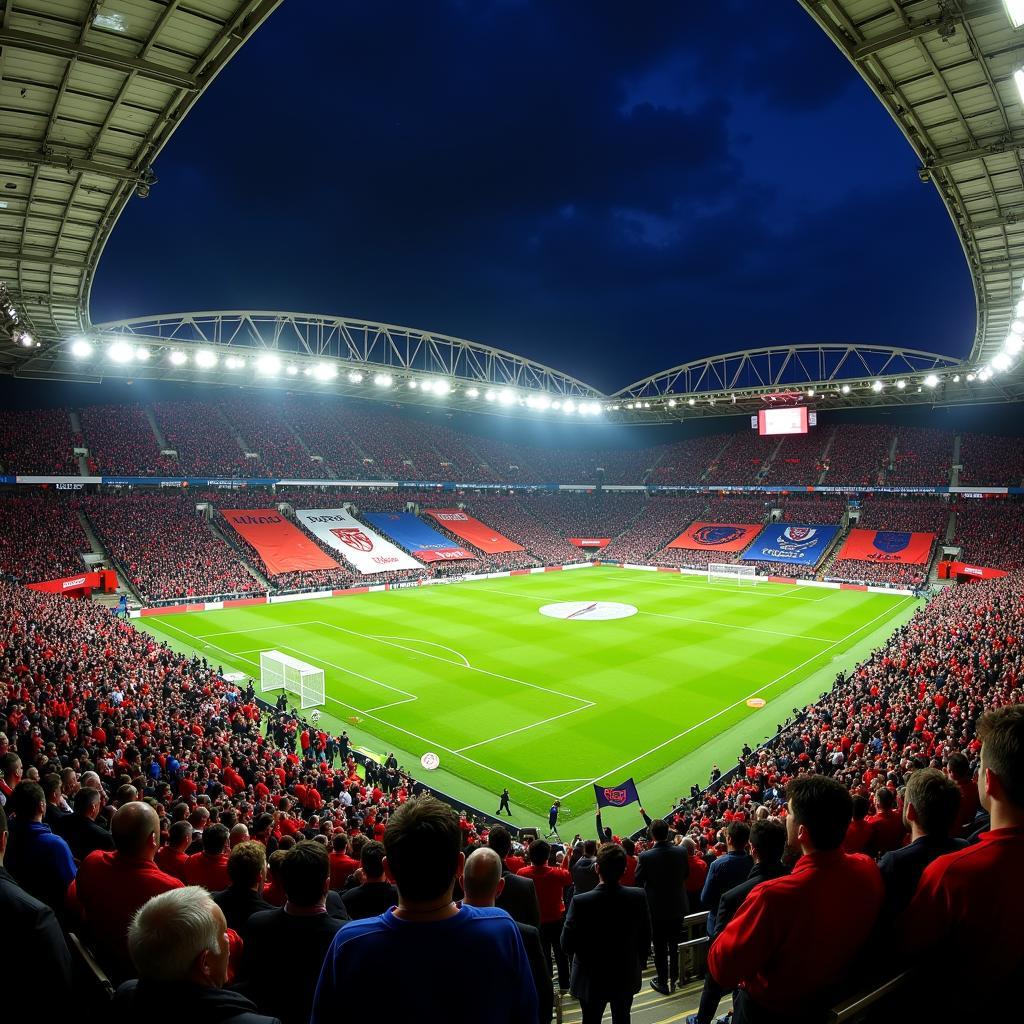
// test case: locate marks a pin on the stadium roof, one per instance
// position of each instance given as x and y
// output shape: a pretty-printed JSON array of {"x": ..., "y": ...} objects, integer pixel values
[{"x": 91, "y": 93}]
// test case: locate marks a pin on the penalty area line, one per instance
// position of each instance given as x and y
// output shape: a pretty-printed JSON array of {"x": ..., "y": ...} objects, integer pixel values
[{"x": 524, "y": 728}]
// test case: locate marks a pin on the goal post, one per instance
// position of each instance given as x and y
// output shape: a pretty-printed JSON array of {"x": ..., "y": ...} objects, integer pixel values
[
  {"x": 280, "y": 672},
  {"x": 742, "y": 574}
]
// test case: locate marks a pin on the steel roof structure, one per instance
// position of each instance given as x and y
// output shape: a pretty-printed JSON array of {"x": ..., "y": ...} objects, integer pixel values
[{"x": 91, "y": 91}]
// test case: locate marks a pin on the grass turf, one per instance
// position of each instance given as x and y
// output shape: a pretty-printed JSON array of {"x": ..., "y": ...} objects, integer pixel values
[{"x": 507, "y": 696}]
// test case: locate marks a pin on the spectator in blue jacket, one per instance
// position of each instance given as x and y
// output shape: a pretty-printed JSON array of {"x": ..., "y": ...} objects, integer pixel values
[{"x": 40, "y": 861}]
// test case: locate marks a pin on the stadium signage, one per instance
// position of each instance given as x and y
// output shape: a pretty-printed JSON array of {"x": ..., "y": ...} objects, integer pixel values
[
  {"x": 281, "y": 544},
  {"x": 472, "y": 530},
  {"x": 69, "y": 487},
  {"x": 796, "y": 543},
  {"x": 365, "y": 550}
]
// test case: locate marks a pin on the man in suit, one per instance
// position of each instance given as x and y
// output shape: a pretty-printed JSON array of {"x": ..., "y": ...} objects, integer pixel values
[
  {"x": 518, "y": 896},
  {"x": 56, "y": 811},
  {"x": 483, "y": 879},
  {"x": 608, "y": 935},
  {"x": 767, "y": 845},
  {"x": 36, "y": 955},
  {"x": 725, "y": 872},
  {"x": 661, "y": 872},
  {"x": 79, "y": 828},
  {"x": 584, "y": 877},
  {"x": 931, "y": 803},
  {"x": 247, "y": 869},
  {"x": 291, "y": 942}
]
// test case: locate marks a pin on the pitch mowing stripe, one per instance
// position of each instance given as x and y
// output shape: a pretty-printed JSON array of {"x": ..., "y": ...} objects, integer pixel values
[{"x": 888, "y": 612}]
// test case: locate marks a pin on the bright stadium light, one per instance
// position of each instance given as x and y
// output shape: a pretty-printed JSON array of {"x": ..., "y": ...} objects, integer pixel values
[
  {"x": 383, "y": 380},
  {"x": 177, "y": 358},
  {"x": 81, "y": 349},
  {"x": 413, "y": 385},
  {"x": 877, "y": 386},
  {"x": 441, "y": 387},
  {"x": 205, "y": 359},
  {"x": 1001, "y": 362},
  {"x": 506, "y": 396},
  {"x": 119, "y": 352},
  {"x": 1018, "y": 80},
  {"x": 931, "y": 381},
  {"x": 845, "y": 389},
  {"x": 810, "y": 392},
  {"x": 355, "y": 377},
  {"x": 671, "y": 403},
  {"x": 984, "y": 373},
  {"x": 569, "y": 406},
  {"x": 142, "y": 354},
  {"x": 956, "y": 378},
  {"x": 491, "y": 396},
  {"x": 1015, "y": 12},
  {"x": 291, "y": 369},
  {"x": 1017, "y": 327},
  {"x": 691, "y": 401},
  {"x": 971, "y": 378},
  {"x": 472, "y": 392},
  {"x": 325, "y": 371},
  {"x": 268, "y": 365},
  {"x": 901, "y": 384},
  {"x": 629, "y": 405},
  {"x": 234, "y": 363},
  {"x": 1013, "y": 344}
]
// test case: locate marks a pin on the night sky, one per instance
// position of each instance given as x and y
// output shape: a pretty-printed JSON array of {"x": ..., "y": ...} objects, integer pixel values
[{"x": 610, "y": 188}]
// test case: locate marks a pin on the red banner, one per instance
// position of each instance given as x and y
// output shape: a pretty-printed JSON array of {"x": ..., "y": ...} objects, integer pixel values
[
  {"x": 81, "y": 585},
  {"x": 590, "y": 542},
  {"x": 480, "y": 535},
  {"x": 444, "y": 555},
  {"x": 280, "y": 543},
  {"x": 716, "y": 536},
  {"x": 888, "y": 546}
]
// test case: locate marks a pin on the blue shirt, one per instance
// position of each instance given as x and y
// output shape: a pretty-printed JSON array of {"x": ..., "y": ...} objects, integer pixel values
[
  {"x": 40, "y": 862},
  {"x": 723, "y": 874},
  {"x": 428, "y": 971}
]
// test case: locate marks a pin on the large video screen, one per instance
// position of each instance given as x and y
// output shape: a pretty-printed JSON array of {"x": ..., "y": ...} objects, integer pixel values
[{"x": 790, "y": 420}]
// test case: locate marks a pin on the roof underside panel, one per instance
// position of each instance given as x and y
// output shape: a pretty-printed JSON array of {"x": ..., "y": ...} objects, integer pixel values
[
  {"x": 944, "y": 70},
  {"x": 88, "y": 98}
]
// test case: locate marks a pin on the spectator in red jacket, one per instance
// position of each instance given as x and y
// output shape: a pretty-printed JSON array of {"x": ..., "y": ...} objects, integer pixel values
[
  {"x": 698, "y": 873},
  {"x": 858, "y": 835},
  {"x": 958, "y": 768},
  {"x": 777, "y": 951},
  {"x": 887, "y": 827},
  {"x": 969, "y": 905},
  {"x": 209, "y": 868},
  {"x": 111, "y": 887},
  {"x": 342, "y": 865},
  {"x": 550, "y": 883},
  {"x": 171, "y": 859}
]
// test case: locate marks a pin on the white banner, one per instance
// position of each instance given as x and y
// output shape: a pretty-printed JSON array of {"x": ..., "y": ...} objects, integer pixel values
[{"x": 365, "y": 550}]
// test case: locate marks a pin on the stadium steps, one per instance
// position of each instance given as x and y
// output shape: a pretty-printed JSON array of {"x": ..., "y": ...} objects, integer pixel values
[
  {"x": 312, "y": 456},
  {"x": 766, "y": 466},
  {"x": 232, "y": 429},
  {"x": 222, "y": 536},
  {"x": 155, "y": 427},
  {"x": 650, "y": 1007},
  {"x": 954, "y": 473},
  {"x": 824, "y": 452},
  {"x": 100, "y": 551},
  {"x": 717, "y": 456},
  {"x": 77, "y": 432}
]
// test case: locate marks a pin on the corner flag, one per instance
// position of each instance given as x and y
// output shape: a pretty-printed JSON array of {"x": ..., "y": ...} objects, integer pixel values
[{"x": 616, "y": 796}]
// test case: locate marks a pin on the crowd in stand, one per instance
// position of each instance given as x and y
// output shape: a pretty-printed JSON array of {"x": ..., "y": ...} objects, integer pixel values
[
  {"x": 263, "y": 427},
  {"x": 37, "y": 441},
  {"x": 991, "y": 461},
  {"x": 164, "y": 548},
  {"x": 744, "y": 459},
  {"x": 990, "y": 533},
  {"x": 924, "y": 457},
  {"x": 121, "y": 442},
  {"x": 203, "y": 440},
  {"x": 798, "y": 459},
  {"x": 858, "y": 455},
  {"x": 40, "y": 538}
]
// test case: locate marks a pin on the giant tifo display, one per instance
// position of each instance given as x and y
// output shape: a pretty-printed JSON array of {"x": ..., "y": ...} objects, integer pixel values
[{"x": 634, "y": 658}]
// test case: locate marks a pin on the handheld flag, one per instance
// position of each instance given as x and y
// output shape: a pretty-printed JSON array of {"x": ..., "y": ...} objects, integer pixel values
[{"x": 617, "y": 796}]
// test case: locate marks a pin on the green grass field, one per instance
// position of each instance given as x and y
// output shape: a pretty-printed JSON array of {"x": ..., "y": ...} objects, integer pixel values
[{"x": 508, "y": 696}]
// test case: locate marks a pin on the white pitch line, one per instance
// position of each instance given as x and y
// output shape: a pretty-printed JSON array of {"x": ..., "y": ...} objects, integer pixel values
[
  {"x": 548, "y": 782},
  {"x": 611, "y": 771},
  {"x": 681, "y": 618},
  {"x": 690, "y": 581},
  {"x": 524, "y": 728},
  {"x": 394, "y": 703},
  {"x": 432, "y": 744},
  {"x": 429, "y": 643}
]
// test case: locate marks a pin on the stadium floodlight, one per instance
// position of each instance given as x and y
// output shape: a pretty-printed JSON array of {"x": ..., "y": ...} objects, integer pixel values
[
  {"x": 1013, "y": 344},
  {"x": 569, "y": 406},
  {"x": 268, "y": 365},
  {"x": 441, "y": 387},
  {"x": 291, "y": 369},
  {"x": 506, "y": 396},
  {"x": 177, "y": 358},
  {"x": 845, "y": 389},
  {"x": 413, "y": 385},
  {"x": 1001, "y": 361},
  {"x": 491, "y": 396},
  {"x": 205, "y": 359},
  {"x": 691, "y": 401},
  {"x": 877, "y": 386},
  {"x": 25, "y": 339},
  {"x": 325, "y": 371},
  {"x": 120, "y": 352},
  {"x": 671, "y": 403},
  {"x": 142, "y": 354},
  {"x": 1017, "y": 327},
  {"x": 556, "y": 404},
  {"x": 810, "y": 392},
  {"x": 956, "y": 378},
  {"x": 355, "y": 376},
  {"x": 984, "y": 373},
  {"x": 931, "y": 380},
  {"x": 472, "y": 392},
  {"x": 1018, "y": 80},
  {"x": 629, "y": 405},
  {"x": 234, "y": 363},
  {"x": 81, "y": 349},
  {"x": 970, "y": 378},
  {"x": 901, "y": 384},
  {"x": 383, "y": 380},
  {"x": 1015, "y": 12},
  {"x": 543, "y": 402}
]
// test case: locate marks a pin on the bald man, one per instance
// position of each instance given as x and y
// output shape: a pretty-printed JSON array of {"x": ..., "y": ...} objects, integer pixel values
[
  {"x": 111, "y": 886},
  {"x": 482, "y": 883}
]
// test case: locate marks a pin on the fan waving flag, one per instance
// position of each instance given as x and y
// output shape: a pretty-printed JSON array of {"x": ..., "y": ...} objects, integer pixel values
[{"x": 617, "y": 796}]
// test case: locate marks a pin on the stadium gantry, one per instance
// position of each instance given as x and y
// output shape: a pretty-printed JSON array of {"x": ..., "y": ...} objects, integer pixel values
[{"x": 93, "y": 99}]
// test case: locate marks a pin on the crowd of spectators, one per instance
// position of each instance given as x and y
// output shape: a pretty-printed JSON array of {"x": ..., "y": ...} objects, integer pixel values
[
  {"x": 924, "y": 457},
  {"x": 744, "y": 460},
  {"x": 990, "y": 532},
  {"x": 686, "y": 462},
  {"x": 990, "y": 461},
  {"x": 37, "y": 441},
  {"x": 798, "y": 459},
  {"x": 121, "y": 442},
  {"x": 164, "y": 548},
  {"x": 859, "y": 454},
  {"x": 204, "y": 442},
  {"x": 262, "y": 425},
  {"x": 40, "y": 537},
  {"x": 810, "y": 508}
]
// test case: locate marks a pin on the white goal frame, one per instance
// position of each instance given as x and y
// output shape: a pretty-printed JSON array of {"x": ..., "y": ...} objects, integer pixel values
[
  {"x": 742, "y": 574},
  {"x": 280, "y": 672}
]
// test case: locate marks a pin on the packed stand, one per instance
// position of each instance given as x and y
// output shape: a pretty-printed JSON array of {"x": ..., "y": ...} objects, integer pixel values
[
  {"x": 810, "y": 508},
  {"x": 203, "y": 441},
  {"x": 164, "y": 548},
  {"x": 37, "y": 442},
  {"x": 686, "y": 462},
  {"x": 40, "y": 538},
  {"x": 519, "y": 521},
  {"x": 924, "y": 457},
  {"x": 744, "y": 460},
  {"x": 264, "y": 428},
  {"x": 858, "y": 454},
  {"x": 799, "y": 459},
  {"x": 494, "y": 561},
  {"x": 991, "y": 533},
  {"x": 584, "y": 513},
  {"x": 990, "y": 461},
  {"x": 316, "y": 422},
  {"x": 661, "y": 521},
  {"x": 121, "y": 442}
]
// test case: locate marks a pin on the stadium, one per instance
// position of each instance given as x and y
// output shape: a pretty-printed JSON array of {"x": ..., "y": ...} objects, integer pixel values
[{"x": 349, "y": 668}]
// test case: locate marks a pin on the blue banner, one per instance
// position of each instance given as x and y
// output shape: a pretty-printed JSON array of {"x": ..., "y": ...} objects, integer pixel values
[
  {"x": 791, "y": 542},
  {"x": 412, "y": 533},
  {"x": 617, "y": 796}
]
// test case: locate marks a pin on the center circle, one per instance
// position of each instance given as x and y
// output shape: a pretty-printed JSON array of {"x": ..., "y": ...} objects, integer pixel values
[{"x": 590, "y": 610}]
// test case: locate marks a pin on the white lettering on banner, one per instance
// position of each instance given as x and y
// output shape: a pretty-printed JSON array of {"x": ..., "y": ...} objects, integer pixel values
[
  {"x": 68, "y": 487},
  {"x": 364, "y": 549},
  {"x": 79, "y": 581},
  {"x": 450, "y": 517}
]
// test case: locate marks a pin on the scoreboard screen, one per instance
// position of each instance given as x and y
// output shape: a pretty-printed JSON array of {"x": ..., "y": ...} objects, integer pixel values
[{"x": 789, "y": 420}]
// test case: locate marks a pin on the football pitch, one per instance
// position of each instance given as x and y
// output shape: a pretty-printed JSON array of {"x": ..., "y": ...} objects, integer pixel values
[{"x": 506, "y": 695}]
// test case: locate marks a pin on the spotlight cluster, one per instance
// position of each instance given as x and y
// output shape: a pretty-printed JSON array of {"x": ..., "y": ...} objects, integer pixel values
[{"x": 10, "y": 321}]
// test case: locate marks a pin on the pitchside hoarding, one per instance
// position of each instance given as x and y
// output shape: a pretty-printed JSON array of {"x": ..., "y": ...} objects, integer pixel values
[
  {"x": 791, "y": 542},
  {"x": 367, "y": 551}
]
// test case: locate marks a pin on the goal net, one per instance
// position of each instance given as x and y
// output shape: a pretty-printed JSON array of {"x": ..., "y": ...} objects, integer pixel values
[
  {"x": 280, "y": 672},
  {"x": 742, "y": 574}
]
